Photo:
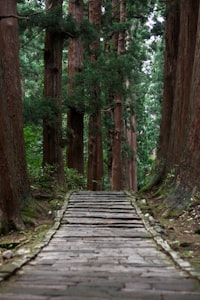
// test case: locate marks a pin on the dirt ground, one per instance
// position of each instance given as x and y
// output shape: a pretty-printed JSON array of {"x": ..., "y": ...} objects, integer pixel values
[
  {"x": 182, "y": 232},
  {"x": 38, "y": 219}
]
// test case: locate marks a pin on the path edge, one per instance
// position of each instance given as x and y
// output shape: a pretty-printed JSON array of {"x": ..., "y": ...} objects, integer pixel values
[
  {"x": 7, "y": 270},
  {"x": 161, "y": 242}
]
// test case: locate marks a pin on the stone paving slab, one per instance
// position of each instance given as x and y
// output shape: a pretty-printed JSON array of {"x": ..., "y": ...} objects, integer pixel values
[{"x": 101, "y": 251}]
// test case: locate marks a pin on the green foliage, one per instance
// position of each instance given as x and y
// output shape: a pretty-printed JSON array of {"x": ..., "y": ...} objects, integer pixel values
[
  {"x": 148, "y": 103},
  {"x": 49, "y": 109},
  {"x": 36, "y": 16},
  {"x": 32, "y": 65},
  {"x": 46, "y": 177},
  {"x": 43, "y": 177},
  {"x": 141, "y": 65},
  {"x": 39, "y": 176},
  {"x": 107, "y": 74},
  {"x": 75, "y": 181},
  {"x": 33, "y": 144},
  {"x": 88, "y": 32}
]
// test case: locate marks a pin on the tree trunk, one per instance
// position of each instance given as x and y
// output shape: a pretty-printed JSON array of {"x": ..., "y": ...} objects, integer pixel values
[
  {"x": 187, "y": 181},
  {"x": 75, "y": 149},
  {"x": 117, "y": 181},
  {"x": 95, "y": 153},
  {"x": 52, "y": 128},
  {"x": 130, "y": 164},
  {"x": 95, "y": 149},
  {"x": 187, "y": 41},
  {"x": 75, "y": 125},
  {"x": 14, "y": 183},
  {"x": 171, "y": 54},
  {"x": 108, "y": 123}
]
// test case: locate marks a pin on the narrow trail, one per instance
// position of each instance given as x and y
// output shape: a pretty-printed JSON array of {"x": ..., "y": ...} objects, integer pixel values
[{"x": 101, "y": 251}]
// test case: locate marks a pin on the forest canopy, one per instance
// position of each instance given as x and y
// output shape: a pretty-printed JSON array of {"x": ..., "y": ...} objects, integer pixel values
[{"x": 141, "y": 63}]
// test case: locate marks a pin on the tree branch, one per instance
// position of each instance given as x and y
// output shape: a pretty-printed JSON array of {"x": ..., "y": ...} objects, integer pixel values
[
  {"x": 14, "y": 16},
  {"x": 20, "y": 17}
]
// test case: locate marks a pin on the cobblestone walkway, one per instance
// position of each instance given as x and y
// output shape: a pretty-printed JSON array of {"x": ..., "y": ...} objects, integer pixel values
[{"x": 101, "y": 251}]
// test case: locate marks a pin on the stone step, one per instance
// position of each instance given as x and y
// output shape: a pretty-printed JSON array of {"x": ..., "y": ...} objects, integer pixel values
[{"x": 101, "y": 251}]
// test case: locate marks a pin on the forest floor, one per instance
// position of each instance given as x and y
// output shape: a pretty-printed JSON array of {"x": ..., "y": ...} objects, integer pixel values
[
  {"x": 182, "y": 232},
  {"x": 38, "y": 219}
]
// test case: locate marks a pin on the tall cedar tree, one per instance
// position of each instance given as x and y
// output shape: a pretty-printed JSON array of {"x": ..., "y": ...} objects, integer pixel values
[
  {"x": 75, "y": 124},
  {"x": 187, "y": 41},
  {"x": 130, "y": 181},
  {"x": 130, "y": 164},
  {"x": 181, "y": 27},
  {"x": 187, "y": 180},
  {"x": 117, "y": 182},
  {"x": 14, "y": 183},
  {"x": 171, "y": 55},
  {"x": 52, "y": 126},
  {"x": 95, "y": 148},
  {"x": 181, "y": 117}
]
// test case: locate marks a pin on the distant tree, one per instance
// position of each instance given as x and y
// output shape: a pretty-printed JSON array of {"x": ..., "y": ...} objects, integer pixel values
[
  {"x": 14, "y": 183},
  {"x": 94, "y": 85},
  {"x": 31, "y": 40},
  {"x": 130, "y": 180},
  {"x": 75, "y": 115},
  {"x": 52, "y": 122},
  {"x": 117, "y": 182},
  {"x": 146, "y": 82},
  {"x": 95, "y": 150}
]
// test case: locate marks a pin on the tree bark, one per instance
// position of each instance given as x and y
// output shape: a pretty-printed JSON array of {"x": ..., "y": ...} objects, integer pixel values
[
  {"x": 14, "y": 183},
  {"x": 75, "y": 127},
  {"x": 95, "y": 149},
  {"x": 130, "y": 163},
  {"x": 187, "y": 41},
  {"x": 187, "y": 180},
  {"x": 170, "y": 67},
  {"x": 117, "y": 180},
  {"x": 52, "y": 128}
]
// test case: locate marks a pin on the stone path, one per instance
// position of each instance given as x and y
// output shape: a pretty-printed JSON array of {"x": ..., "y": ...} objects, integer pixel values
[{"x": 101, "y": 251}]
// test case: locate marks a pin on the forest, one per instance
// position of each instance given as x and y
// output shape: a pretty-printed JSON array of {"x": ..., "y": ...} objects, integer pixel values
[{"x": 98, "y": 95}]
